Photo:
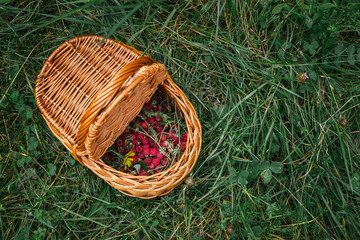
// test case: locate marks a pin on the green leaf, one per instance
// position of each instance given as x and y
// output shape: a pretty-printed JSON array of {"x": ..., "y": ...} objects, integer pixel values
[
  {"x": 302, "y": 88},
  {"x": 281, "y": 53},
  {"x": 242, "y": 177},
  {"x": 308, "y": 21},
  {"x": 275, "y": 167},
  {"x": 232, "y": 171},
  {"x": 311, "y": 47},
  {"x": 221, "y": 225},
  {"x": 14, "y": 96},
  {"x": 70, "y": 160},
  {"x": 238, "y": 177},
  {"x": 339, "y": 49},
  {"x": 267, "y": 176},
  {"x": 302, "y": 5},
  {"x": 24, "y": 234},
  {"x": 36, "y": 153},
  {"x": 52, "y": 169},
  {"x": 286, "y": 45},
  {"x": 264, "y": 165},
  {"x": 208, "y": 59},
  {"x": 244, "y": 173},
  {"x": 155, "y": 223},
  {"x": 23, "y": 160},
  {"x": 278, "y": 8},
  {"x": 315, "y": 44},
  {"x": 33, "y": 143},
  {"x": 274, "y": 148},
  {"x": 351, "y": 58},
  {"x": 257, "y": 230},
  {"x": 233, "y": 178},
  {"x": 325, "y": 6},
  {"x": 28, "y": 114},
  {"x": 227, "y": 209},
  {"x": 24, "y": 110},
  {"x": 313, "y": 75},
  {"x": 355, "y": 181}
]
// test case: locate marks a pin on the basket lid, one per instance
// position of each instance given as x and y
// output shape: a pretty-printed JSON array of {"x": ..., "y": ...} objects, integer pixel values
[{"x": 84, "y": 83}]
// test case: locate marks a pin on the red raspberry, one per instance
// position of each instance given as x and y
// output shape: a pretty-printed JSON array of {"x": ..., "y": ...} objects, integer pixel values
[
  {"x": 139, "y": 136},
  {"x": 135, "y": 142},
  {"x": 148, "y": 161},
  {"x": 142, "y": 172},
  {"x": 133, "y": 137},
  {"x": 163, "y": 144},
  {"x": 156, "y": 161},
  {"x": 135, "y": 159},
  {"x": 158, "y": 118},
  {"x": 138, "y": 149},
  {"x": 155, "y": 109},
  {"x": 182, "y": 147},
  {"x": 153, "y": 151},
  {"x": 159, "y": 129},
  {"x": 144, "y": 124},
  {"x": 155, "y": 124},
  {"x": 141, "y": 155},
  {"x": 146, "y": 146},
  {"x": 160, "y": 155},
  {"x": 120, "y": 143},
  {"x": 148, "y": 105},
  {"x": 145, "y": 141},
  {"x": 154, "y": 145},
  {"x": 176, "y": 141},
  {"x": 164, "y": 162},
  {"x": 146, "y": 151},
  {"x": 151, "y": 166},
  {"x": 163, "y": 138},
  {"x": 151, "y": 120}
]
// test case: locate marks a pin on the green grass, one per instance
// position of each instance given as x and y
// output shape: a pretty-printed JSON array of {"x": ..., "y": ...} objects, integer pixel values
[{"x": 238, "y": 64}]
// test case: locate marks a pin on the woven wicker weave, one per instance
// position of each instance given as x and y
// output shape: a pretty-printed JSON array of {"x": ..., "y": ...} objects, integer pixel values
[{"x": 89, "y": 90}]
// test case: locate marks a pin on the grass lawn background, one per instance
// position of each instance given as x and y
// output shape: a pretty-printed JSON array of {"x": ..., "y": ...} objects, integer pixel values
[{"x": 276, "y": 87}]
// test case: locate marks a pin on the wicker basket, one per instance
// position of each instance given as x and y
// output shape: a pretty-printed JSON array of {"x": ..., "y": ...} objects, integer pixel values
[{"x": 89, "y": 90}]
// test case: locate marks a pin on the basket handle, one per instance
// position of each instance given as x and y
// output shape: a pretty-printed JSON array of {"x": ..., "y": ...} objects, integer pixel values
[{"x": 108, "y": 92}]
